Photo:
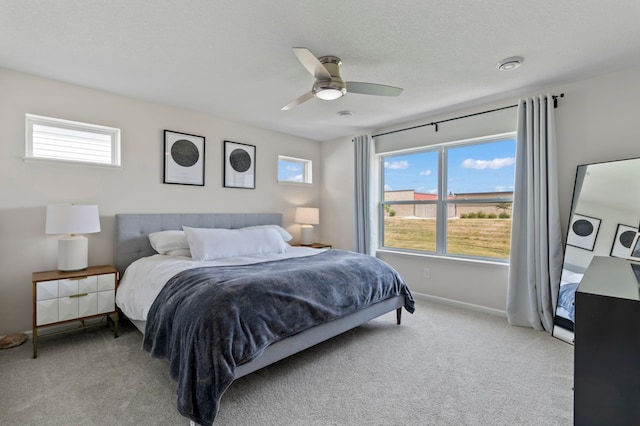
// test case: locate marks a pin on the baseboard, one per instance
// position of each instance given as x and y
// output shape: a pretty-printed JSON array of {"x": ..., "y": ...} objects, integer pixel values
[{"x": 458, "y": 304}]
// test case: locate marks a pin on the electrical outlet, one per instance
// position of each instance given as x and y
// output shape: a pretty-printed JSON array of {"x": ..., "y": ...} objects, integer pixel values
[{"x": 427, "y": 273}]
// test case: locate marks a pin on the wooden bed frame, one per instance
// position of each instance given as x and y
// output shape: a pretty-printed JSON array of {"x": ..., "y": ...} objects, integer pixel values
[{"x": 132, "y": 243}]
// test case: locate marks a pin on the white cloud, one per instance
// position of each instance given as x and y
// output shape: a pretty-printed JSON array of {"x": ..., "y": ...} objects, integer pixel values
[
  {"x": 388, "y": 188},
  {"x": 425, "y": 173},
  {"x": 496, "y": 163},
  {"x": 396, "y": 165},
  {"x": 503, "y": 188}
]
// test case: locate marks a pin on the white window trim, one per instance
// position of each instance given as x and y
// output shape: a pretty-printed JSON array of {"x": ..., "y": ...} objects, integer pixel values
[
  {"x": 307, "y": 170},
  {"x": 113, "y": 133}
]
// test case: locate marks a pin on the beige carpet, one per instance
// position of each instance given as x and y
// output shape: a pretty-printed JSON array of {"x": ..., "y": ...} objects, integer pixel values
[{"x": 442, "y": 366}]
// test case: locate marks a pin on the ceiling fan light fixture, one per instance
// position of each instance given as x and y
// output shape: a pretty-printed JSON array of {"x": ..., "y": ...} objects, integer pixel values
[
  {"x": 328, "y": 84},
  {"x": 510, "y": 64},
  {"x": 329, "y": 93}
]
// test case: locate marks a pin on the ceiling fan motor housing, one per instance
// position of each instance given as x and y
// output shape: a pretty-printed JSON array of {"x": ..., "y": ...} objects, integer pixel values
[{"x": 333, "y": 88}]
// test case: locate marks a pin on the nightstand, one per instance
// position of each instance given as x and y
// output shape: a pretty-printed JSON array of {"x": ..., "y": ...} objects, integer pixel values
[
  {"x": 314, "y": 245},
  {"x": 61, "y": 297}
]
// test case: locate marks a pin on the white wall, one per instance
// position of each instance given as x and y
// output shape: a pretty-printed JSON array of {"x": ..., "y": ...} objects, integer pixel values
[
  {"x": 137, "y": 186},
  {"x": 595, "y": 121}
]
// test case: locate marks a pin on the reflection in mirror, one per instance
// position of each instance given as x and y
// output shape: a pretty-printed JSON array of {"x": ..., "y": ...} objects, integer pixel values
[{"x": 604, "y": 221}]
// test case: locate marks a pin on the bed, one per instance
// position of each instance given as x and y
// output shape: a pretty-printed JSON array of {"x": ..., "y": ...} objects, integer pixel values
[
  {"x": 565, "y": 311},
  {"x": 180, "y": 324}
]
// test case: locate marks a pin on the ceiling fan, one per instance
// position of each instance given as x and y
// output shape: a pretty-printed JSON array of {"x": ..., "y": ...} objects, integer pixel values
[{"x": 329, "y": 85}]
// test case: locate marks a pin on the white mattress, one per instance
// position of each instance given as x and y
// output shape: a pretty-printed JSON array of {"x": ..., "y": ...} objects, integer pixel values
[{"x": 142, "y": 281}]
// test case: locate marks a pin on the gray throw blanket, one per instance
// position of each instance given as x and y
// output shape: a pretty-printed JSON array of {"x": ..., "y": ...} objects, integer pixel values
[{"x": 207, "y": 321}]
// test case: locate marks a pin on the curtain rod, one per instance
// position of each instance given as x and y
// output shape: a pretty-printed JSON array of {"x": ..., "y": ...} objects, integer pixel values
[{"x": 435, "y": 123}]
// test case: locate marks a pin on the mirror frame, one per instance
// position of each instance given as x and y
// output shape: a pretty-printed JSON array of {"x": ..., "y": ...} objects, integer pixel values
[{"x": 600, "y": 224}]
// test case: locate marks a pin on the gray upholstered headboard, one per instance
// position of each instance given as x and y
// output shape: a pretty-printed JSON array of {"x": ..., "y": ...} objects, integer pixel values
[{"x": 133, "y": 229}]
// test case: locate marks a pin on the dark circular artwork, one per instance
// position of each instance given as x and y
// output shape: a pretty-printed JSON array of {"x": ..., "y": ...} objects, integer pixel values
[
  {"x": 626, "y": 238},
  {"x": 185, "y": 153},
  {"x": 240, "y": 160},
  {"x": 582, "y": 227}
]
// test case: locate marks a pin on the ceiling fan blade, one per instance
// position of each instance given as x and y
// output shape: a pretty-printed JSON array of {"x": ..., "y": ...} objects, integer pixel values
[
  {"x": 372, "y": 89},
  {"x": 311, "y": 63},
  {"x": 298, "y": 101}
]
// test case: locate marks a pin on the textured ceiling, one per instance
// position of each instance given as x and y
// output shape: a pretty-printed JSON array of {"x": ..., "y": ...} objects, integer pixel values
[{"x": 233, "y": 58}]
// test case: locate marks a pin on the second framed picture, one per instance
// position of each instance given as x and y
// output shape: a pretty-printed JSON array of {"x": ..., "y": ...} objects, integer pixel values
[
  {"x": 239, "y": 165},
  {"x": 622, "y": 242}
]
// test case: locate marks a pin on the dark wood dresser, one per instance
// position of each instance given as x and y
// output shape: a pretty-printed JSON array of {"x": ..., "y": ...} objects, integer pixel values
[{"x": 607, "y": 345}]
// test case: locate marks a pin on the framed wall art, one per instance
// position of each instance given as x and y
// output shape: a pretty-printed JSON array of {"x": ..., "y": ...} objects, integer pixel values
[
  {"x": 623, "y": 240},
  {"x": 239, "y": 165},
  {"x": 183, "y": 158},
  {"x": 583, "y": 231}
]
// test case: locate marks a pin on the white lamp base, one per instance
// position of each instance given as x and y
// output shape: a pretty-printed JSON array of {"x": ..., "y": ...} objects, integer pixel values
[
  {"x": 73, "y": 253},
  {"x": 306, "y": 235}
]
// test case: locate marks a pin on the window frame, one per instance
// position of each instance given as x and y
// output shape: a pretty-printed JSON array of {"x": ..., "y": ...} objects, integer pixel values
[
  {"x": 442, "y": 202},
  {"x": 307, "y": 170},
  {"x": 113, "y": 133}
]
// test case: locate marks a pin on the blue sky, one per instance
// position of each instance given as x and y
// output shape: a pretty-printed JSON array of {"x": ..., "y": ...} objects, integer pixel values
[
  {"x": 290, "y": 171},
  {"x": 487, "y": 167}
]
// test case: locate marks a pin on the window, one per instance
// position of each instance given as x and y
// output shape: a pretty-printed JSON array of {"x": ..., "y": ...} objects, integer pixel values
[
  {"x": 62, "y": 140},
  {"x": 294, "y": 170},
  {"x": 452, "y": 199}
]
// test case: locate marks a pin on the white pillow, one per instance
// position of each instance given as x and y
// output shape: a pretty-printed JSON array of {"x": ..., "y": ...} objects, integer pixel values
[
  {"x": 570, "y": 277},
  {"x": 168, "y": 241},
  {"x": 286, "y": 236},
  {"x": 179, "y": 252},
  {"x": 217, "y": 243}
]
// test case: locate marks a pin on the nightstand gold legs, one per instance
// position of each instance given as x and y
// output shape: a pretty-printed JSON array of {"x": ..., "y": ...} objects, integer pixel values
[
  {"x": 110, "y": 318},
  {"x": 35, "y": 343},
  {"x": 115, "y": 324}
]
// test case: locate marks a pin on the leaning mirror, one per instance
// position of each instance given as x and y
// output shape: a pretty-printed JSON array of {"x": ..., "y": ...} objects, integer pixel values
[{"x": 603, "y": 222}]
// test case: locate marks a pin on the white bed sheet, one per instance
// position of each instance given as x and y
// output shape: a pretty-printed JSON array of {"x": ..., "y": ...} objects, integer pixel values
[{"x": 142, "y": 281}]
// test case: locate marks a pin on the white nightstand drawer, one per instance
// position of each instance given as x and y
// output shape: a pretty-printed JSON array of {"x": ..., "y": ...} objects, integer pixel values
[
  {"x": 106, "y": 301},
  {"x": 67, "y": 308},
  {"x": 47, "y": 311},
  {"x": 106, "y": 282},
  {"x": 88, "y": 305},
  {"x": 88, "y": 285},
  {"x": 47, "y": 290},
  {"x": 67, "y": 288}
]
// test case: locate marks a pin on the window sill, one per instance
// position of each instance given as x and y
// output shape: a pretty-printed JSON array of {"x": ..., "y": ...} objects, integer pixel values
[
  {"x": 67, "y": 162},
  {"x": 504, "y": 263},
  {"x": 288, "y": 182}
]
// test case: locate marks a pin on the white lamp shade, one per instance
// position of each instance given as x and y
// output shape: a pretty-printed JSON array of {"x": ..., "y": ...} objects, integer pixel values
[
  {"x": 308, "y": 215},
  {"x": 72, "y": 219}
]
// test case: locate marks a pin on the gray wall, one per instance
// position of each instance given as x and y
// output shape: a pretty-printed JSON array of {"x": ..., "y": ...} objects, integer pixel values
[
  {"x": 28, "y": 186},
  {"x": 595, "y": 121}
]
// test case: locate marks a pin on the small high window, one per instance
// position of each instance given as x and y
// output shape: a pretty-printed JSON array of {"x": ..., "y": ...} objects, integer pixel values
[
  {"x": 294, "y": 170},
  {"x": 54, "y": 139}
]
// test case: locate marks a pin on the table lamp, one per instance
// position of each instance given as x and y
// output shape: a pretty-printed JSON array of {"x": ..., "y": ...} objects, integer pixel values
[
  {"x": 307, "y": 216},
  {"x": 72, "y": 219}
]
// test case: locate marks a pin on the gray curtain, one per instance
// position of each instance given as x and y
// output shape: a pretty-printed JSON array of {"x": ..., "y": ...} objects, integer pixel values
[
  {"x": 365, "y": 231},
  {"x": 536, "y": 240}
]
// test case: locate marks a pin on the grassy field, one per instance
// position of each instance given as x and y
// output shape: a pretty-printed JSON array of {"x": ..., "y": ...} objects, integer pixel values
[{"x": 474, "y": 237}]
